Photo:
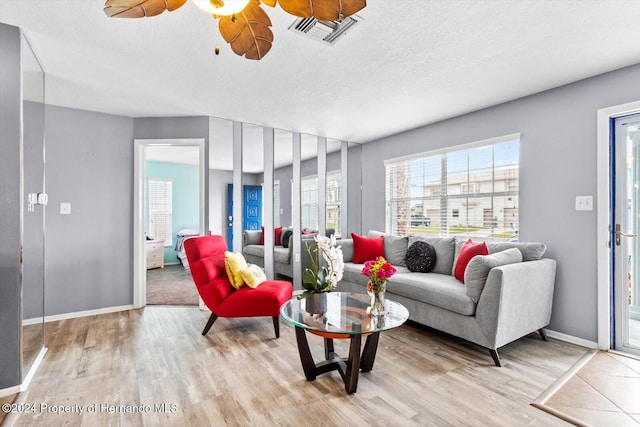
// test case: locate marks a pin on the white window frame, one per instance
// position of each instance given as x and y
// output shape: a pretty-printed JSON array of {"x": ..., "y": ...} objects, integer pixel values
[
  {"x": 307, "y": 221},
  {"x": 447, "y": 201}
]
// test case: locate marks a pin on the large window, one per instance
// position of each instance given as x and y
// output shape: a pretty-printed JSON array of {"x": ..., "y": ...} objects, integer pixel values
[
  {"x": 470, "y": 191},
  {"x": 334, "y": 193},
  {"x": 160, "y": 209},
  {"x": 309, "y": 190}
]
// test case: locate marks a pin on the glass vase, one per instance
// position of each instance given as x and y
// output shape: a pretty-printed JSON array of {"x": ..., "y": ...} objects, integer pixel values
[{"x": 377, "y": 298}]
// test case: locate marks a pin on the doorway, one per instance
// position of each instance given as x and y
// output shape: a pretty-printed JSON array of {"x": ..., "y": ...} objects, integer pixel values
[
  {"x": 617, "y": 201},
  {"x": 141, "y": 214},
  {"x": 625, "y": 199},
  {"x": 251, "y": 211}
]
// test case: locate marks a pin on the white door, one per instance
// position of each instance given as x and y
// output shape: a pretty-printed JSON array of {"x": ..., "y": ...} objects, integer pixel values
[{"x": 625, "y": 228}]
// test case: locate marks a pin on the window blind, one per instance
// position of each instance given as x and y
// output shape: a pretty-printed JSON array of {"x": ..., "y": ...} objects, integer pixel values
[
  {"x": 334, "y": 194},
  {"x": 470, "y": 191},
  {"x": 160, "y": 209},
  {"x": 309, "y": 199}
]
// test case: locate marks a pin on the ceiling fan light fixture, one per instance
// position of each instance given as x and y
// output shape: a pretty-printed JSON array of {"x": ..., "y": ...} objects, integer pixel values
[{"x": 229, "y": 7}]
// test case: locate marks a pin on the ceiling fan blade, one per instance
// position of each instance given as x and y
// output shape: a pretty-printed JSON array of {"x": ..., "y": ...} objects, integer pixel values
[
  {"x": 139, "y": 8},
  {"x": 250, "y": 34},
  {"x": 324, "y": 10},
  {"x": 271, "y": 3}
]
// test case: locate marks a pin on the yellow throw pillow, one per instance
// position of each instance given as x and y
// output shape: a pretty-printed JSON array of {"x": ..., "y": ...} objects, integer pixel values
[
  {"x": 234, "y": 263},
  {"x": 253, "y": 276}
]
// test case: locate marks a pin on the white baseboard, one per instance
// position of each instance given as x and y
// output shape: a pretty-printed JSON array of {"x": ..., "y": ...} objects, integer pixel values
[
  {"x": 76, "y": 314},
  {"x": 23, "y": 387},
  {"x": 33, "y": 369},
  {"x": 10, "y": 390},
  {"x": 571, "y": 339}
]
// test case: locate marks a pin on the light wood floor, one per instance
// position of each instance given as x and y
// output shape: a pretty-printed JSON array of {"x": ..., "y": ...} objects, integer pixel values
[{"x": 241, "y": 375}]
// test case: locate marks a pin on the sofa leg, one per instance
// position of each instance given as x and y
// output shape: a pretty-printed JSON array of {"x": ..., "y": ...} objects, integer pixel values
[
  {"x": 209, "y": 323},
  {"x": 276, "y": 325},
  {"x": 543, "y": 334},
  {"x": 496, "y": 357}
]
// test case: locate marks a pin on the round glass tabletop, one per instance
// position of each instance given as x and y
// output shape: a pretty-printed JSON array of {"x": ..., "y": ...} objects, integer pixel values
[{"x": 344, "y": 313}]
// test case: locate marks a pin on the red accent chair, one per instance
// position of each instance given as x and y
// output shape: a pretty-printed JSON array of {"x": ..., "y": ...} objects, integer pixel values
[{"x": 206, "y": 259}]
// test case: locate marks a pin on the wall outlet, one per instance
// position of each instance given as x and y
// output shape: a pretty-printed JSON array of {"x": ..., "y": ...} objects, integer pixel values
[
  {"x": 297, "y": 258},
  {"x": 584, "y": 203},
  {"x": 65, "y": 208}
]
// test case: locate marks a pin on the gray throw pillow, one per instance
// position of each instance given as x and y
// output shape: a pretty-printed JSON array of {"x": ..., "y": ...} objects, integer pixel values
[
  {"x": 531, "y": 251},
  {"x": 478, "y": 269},
  {"x": 395, "y": 247}
]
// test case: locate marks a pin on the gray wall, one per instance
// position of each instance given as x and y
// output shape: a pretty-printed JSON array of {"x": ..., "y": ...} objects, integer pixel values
[
  {"x": 557, "y": 163},
  {"x": 10, "y": 301},
  {"x": 218, "y": 181},
  {"x": 176, "y": 128},
  {"x": 89, "y": 255}
]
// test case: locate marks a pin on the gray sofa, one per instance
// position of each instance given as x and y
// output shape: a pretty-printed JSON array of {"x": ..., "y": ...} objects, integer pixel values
[
  {"x": 507, "y": 294},
  {"x": 253, "y": 251}
]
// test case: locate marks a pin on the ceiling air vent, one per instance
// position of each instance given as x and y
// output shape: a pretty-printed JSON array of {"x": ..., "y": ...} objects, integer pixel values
[{"x": 325, "y": 31}]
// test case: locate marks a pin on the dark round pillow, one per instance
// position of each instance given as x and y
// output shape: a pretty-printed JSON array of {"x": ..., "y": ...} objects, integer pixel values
[
  {"x": 285, "y": 238},
  {"x": 421, "y": 257}
]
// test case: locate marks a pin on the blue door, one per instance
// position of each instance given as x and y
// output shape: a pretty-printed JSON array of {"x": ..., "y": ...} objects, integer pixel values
[{"x": 252, "y": 210}]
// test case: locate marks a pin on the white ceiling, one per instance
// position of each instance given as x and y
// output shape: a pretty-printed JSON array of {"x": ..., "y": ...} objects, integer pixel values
[{"x": 410, "y": 63}]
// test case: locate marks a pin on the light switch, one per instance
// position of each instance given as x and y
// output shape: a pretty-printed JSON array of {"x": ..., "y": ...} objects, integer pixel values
[
  {"x": 584, "y": 203},
  {"x": 65, "y": 208}
]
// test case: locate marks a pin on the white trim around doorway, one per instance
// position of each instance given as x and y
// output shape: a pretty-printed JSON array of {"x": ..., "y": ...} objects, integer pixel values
[
  {"x": 139, "y": 173},
  {"x": 602, "y": 213}
]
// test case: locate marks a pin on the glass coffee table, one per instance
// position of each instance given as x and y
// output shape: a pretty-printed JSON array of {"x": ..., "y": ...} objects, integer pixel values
[{"x": 344, "y": 316}]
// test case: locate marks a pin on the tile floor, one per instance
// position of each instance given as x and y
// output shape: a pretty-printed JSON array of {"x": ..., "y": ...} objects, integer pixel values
[{"x": 604, "y": 392}]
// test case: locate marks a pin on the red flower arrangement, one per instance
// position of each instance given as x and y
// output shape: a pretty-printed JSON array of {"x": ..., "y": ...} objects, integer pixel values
[{"x": 379, "y": 272}]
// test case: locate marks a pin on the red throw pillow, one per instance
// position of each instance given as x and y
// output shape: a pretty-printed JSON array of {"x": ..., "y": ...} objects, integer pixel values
[
  {"x": 468, "y": 251},
  {"x": 278, "y": 236},
  {"x": 277, "y": 233},
  {"x": 366, "y": 248}
]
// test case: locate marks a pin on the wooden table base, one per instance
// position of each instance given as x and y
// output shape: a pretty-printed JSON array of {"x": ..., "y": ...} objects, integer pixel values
[{"x": 347, "y": 367}]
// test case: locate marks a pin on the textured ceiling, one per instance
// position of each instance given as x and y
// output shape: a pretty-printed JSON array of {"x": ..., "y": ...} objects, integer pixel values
[{"x": 408, "y": 64}]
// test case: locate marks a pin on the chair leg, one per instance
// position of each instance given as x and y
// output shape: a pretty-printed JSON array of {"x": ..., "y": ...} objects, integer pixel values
[
  {"x": 276, "y": 325},
  {"x": 496, "y": 357},
  {"x": 209, "y": 323},
  {"x": 543, "y": 334}
]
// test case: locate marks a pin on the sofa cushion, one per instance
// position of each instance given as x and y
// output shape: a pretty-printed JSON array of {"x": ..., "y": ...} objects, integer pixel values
[
  {"x": 445, "y": 248},
  {"x": 255, "y": 250},
  {"x": 421, "y": 257},
  {"x": 441, "y": 290},
  {"x": 281, "y": 255},
  {"x": 367, "y": 248},
  {"x": 478, "y": 269},
  {"x": 531, "y": 251},
  {"x": 395, "y": 247},
  {"x": 347, "y": 249},
  {"x": 468, "y": 251},
  {"x": 251, "y": 237}
]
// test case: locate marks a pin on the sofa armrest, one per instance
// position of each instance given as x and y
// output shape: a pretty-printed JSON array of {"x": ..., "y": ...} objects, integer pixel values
[
  {"x": 251, "y": 237},
  {"x": 516, "y": 300}
]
